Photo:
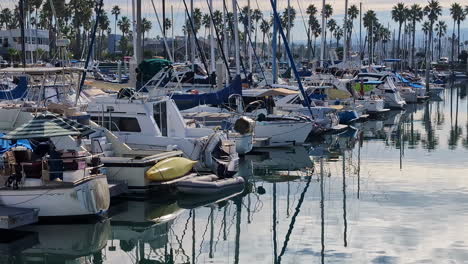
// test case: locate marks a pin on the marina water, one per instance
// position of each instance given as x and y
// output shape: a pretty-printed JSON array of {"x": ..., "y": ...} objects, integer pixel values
[{"x": 391, "y": 190}]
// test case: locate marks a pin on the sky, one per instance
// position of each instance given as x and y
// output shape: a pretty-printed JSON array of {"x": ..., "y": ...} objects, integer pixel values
[{"x": 382, "y": 8}]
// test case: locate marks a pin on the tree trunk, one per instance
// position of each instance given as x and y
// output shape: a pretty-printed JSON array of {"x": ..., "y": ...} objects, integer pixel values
[
  {"x": 413, "y": 39},
  {"x": 453, "y": 41},
  {"x": 115, "y": 34},
  {"x": 458, "y": 41},
  {"x": 263, "y": 46},
  {"x": 440, "y": 47},
  {"x": 398, "y": 44}
]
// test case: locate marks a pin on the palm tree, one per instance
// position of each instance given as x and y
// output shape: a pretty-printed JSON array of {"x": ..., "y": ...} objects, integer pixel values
[
  {"x": 399, "y": 14},
  {"x": 146, "y": 26},
  {"x": 218, "y": 20},
  {"x": 458, "y": 15},
  {"x": 338, "y": 34},
  {"x": 327, "y": 13},
  {"x": 440, "y": 29},
  {"x": 384, "y": 36},
  {"x": 265, "y": 28},
  {"x": 331, "y": 25},
  {"x": 103, "y": 27},
  {"x": 433, "y": 10},
  {"x": 116, "y": 12},
  {"x": 6, "y": 16},
  {"x": 353, "y": 13},
  {"x": 257, "y": 15},
  {"x": 124, "y": 26},
  {"x": 168, "y": 24},
  {"x": 206, "y": 22},
  {"x": 316, "y": 30},
  {"x": 425, "y": 29},
  {"x": 311, "y": 11},
  {"x": 370, "y": 21},
  {"x": 197, "y": 19},
  {"x": 415, "y": 15}
]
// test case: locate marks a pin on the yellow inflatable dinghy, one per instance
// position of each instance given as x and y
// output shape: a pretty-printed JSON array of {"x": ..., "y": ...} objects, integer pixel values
[{"x": 170, "y": 169}]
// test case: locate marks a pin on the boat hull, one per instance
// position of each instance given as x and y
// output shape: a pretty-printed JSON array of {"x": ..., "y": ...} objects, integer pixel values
[
  {"x": 283, "y": 133},
  {"x": 87, "y": 197}
]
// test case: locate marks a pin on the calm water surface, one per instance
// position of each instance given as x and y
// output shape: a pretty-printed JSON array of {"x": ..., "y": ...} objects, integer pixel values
[{"x": 389, "y": 191}]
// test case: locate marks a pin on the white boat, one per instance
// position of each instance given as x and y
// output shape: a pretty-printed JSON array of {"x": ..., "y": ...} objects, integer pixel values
[
  {"x": 67, "y": 185},
  {"x": 280, "y": 130},
  {"x": 379, "y": 85},
  {"x": 157, "y": 125}
]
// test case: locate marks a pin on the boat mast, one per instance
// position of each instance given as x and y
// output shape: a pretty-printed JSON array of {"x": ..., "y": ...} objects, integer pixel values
[
  {"x": 225, "y": 38},
  {"x": 212, "y": 44},
  {"x": 164, "y": 22},
  {"x": 289, "y": 26},
  {"x": 274, "y": 48},
  {"x": 21, "y": 20},
  {"x": 135, "y": 51},
  {"x": 139, "y": 54},
  {"x": 360, "y": 30},
  {"x": 192, "y": 44},
  {"x": 249, "y": 25},
  {"x": 236, "y": 36},
  {"x": 345, "y": 32},
  {"x": 322, "y": 37}
]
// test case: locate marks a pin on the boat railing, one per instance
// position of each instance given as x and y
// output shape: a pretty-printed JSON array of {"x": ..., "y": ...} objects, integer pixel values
[{"x": 43, "y": 168}]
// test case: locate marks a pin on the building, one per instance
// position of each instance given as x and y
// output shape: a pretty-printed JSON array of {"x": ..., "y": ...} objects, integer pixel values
[
  {"x": 113, "y": 43},
  {"x": 35, "y": 39}
]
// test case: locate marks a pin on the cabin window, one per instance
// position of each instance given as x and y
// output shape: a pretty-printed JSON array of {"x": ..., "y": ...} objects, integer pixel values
[
  {"x": 389, "y": 91},
  {"x": 128, "y": 124},
  {"x": 160, "y": 117},
  {"x": 122, "y": 124}
]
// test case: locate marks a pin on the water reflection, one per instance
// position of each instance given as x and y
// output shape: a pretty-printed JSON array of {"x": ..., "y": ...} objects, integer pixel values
[{"x": 385, "y": 191}]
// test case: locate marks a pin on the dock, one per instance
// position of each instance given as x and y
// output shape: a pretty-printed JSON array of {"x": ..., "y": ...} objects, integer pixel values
[{"x": 12, "y": 217}]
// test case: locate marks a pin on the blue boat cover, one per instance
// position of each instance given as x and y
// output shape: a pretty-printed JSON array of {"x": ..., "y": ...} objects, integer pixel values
[
  {"x": 373, "y": 82},
  {"x": 6, "y": 145},
  {"x": 187, "y": 101},
  {"x": 16, "y": 93},
  {"x": 391, "y": 60}
]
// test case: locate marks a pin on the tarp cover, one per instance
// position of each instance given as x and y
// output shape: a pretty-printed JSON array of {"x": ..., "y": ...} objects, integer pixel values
[
  {"x": 148, "y": 68},
  {"x": 6, "y": 145}
]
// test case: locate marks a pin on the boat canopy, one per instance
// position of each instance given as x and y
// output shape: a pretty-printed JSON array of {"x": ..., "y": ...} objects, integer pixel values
[
  {"x": 187, "y": 101},
  {"x": 267, "y": 92},
  {"x": 16, "y": 93},
  {"x": 46, "y": 126}
]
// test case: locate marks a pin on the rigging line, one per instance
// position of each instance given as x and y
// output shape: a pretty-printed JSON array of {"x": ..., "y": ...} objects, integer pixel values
[
  {"x": 202, "y": 55},
  {"x": 255, "y": 53},
  {"x": 231, "y": 24},
  {"x": 218, "y": 39},
  {"x": 293, "y": 219},
  {"x": 309, "y": 41},
  {"x": 203, "y": 236}
]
